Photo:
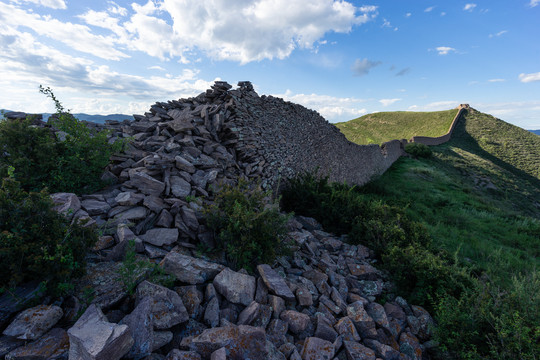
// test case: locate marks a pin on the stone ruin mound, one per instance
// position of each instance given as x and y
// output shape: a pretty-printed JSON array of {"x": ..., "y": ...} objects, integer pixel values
[{"x": 319, "y": 303}]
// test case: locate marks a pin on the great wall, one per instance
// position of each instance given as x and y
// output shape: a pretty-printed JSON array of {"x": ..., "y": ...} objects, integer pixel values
[{"x": 322, "y": 302}]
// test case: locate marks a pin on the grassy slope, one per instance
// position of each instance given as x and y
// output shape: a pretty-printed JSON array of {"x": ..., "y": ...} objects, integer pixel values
[
  {"x": 385, "y": 126},
  {"x": 477, "y": 197}
]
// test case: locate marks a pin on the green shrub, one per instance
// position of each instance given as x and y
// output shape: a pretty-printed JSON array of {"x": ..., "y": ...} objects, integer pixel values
[
  {"x": 37, "y": 243},
  {"x": 418, "y": 150},
  {"x": 41, "y": 160},
  {"x": 32, "y": 151},
  {"x": 247, "y": 227}
]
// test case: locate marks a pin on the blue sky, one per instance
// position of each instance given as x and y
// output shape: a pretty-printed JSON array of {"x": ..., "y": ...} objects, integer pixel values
[{"x": 341, "y": 58}]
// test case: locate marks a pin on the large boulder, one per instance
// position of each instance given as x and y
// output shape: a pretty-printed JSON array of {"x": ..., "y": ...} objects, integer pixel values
[{"x": 236, "y": 287}]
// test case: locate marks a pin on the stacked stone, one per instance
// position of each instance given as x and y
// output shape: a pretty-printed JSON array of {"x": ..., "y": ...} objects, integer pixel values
[{"x": 320, "y": 303}]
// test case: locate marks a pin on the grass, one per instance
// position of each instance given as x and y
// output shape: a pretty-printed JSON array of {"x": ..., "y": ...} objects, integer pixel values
[
  {"x": 475, "y": 204},
  {"x": 478, "y": 196},
  {"x": 377, "y": 128}
]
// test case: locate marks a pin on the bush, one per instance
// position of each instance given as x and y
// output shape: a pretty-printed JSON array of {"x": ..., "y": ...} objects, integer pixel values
[
  {"x": 247, "y": 227},
  {"x": 32, "y": 151},
  {"x": 41, "y": 160},
  {"x": 37, "y": 243},
  {"x": 418, "y": 150}
]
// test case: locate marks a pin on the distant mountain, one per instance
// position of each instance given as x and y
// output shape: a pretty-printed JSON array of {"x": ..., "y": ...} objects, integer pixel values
[
  {"x": 537, "y": 132},
  {"x": 100, "y": 119}
]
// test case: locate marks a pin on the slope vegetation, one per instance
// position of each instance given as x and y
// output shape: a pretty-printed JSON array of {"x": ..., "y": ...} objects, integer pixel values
[{"x": 385, "y": 126}]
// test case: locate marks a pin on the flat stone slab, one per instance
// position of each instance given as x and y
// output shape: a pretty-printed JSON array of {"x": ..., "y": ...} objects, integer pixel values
[
  {"x": 160, "y": 236},
  {"x": 102, "y": 282},
  {"x": 189, "y": 269},
  {"x": 94, "y": 338},
  {"x": 53, "y": 345},
  {"x": 241, "y": 342},
  {"x": 275, "y": 283},
  {"x": 32, "y": 323},
  {"x": 236, "y": 287}
]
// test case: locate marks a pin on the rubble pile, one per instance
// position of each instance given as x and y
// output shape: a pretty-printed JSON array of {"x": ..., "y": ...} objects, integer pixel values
[{"x": 323, "y": 302}]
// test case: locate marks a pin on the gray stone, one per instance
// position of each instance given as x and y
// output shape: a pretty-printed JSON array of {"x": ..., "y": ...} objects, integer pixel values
[
  {"x": 160, "y": 236},
  {"x": 363, "y": 322},
  {"x": 141, "y": 326},
  {"x": 357, "y": 351},
  {"x": 183, "y": 164},
  {"x": 363, "y": 271},
  {"x": 235, "y": 287},
  {"x": 132, "y": 214},
  {"x": 95, "y": 207},
  {"x": 154, "y": 203},
  {"x": 103, "y": 279},
  {"x": 345, "y": 327},
  {"x": 317, "y": 349},
  {"x": 277, "y": 304},
  {"x": 146, "y": 184},
  {"x": 297, "y": 321},
  {"x": 324, "y": 329},
  {"x": 192, "y": 299},
  {"x": 32, "y": 323},
  {"x": 249, "y": 314},
  {"x": 303, "y": 296},
  {"x": 176, "y": 354},
  {"x": 94, "y": 338},
  {"x": 165, "y": 219},
  {"x": 66, "y": 204},
  {"x": 211, "y": 314},
  {"x": 129, "y": 198},
  {"x": 51, "y": 346},
  {"x": 377, "y": 313},
  {"x": 219, "y": 354},
  {"x": 167, "y": 307},
  {"x": 275, "y": 283},
  {"x": 189, "y": 269},
  {"x": 9, "y": 343},
  {"x": 180, "y": 187},
  {"x": 161, "y": 338},
  {"x": 273, "y": 353},
  {"x": 241, "y": 342},
  {"x": 409, "y": 345},
  {"x": 189, "y": 218},
  {"x": 383, "y": 351}
]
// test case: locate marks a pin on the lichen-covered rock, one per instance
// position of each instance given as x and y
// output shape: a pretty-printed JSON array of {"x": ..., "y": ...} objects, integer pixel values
[
  {"x": 236, "y": 287},
  {"x": 34, "y": 322},
  {"x": 241, "y": 342},
  {"x": 189, "y": 269},
  {"x": 51, "y": 346}
]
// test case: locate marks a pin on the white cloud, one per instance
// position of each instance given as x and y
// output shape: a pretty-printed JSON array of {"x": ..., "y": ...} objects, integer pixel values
[
  {"x": 436, "y": 106},
  {"x": 445, "y": 50},
  {"x": 24, "y": 60},
  {"x": 362, "y": 67},
  {"x": 469, "y": 7},
  {"x": 499, "y": 33},
  {"x": 534, "y": 3},
  {"x": 429, "y": 9},
  {"x": 78, "y": 37},
  {"x": 408, "y": 14},
  {"x": 525, "y": 78},
  {"x": 247, "y": 31},
  {"x": 496, "y": 80},
  {"x": 53, "y": 4},
  {"x": 387, "y": 102},
  {"x": 332, "y": 108}
]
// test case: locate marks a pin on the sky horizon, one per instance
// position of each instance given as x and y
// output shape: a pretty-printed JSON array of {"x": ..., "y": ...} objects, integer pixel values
[{"x": 342, "y": 58}]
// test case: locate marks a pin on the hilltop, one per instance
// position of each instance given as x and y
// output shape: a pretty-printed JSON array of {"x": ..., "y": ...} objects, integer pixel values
[{"x": 379, "y": 127}]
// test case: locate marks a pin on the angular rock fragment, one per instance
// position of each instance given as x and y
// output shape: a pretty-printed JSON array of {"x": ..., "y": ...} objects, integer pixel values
[
  {"x": 160, "y": 236},
  {"x": 241, "y": 342},
  {"x": 94, "y": 338},
  {"x": 275, "y": 283},
  {"x": 34, "y": 322},
  {"x": 317, "y": 349},
  {"x": 189, "y": 269},
  {"x": 51, "y": 346},
  {"x": 236, "y": 287},
  {"x": 166, "y": 307}
]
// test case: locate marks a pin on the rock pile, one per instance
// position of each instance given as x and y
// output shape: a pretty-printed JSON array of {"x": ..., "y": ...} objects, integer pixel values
[{"x": 320, "y": 303}]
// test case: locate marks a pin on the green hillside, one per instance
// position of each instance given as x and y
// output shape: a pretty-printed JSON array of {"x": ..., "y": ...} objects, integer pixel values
[
  {"x": 385, "y": 126},
  {"x": 478, "y": 196}
]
